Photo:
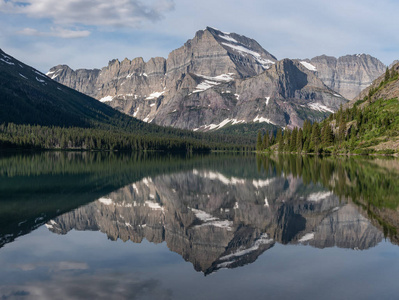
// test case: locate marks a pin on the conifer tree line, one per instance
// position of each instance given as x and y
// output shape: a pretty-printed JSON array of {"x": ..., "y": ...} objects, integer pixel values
[
  {"x": 348, "y": 130},
  {"x": 44, "y": 137}
]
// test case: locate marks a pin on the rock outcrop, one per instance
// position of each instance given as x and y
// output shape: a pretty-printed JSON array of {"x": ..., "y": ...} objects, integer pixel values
[
  {"x": 391, "y": 90},
  {"x": 347, "y": 75}
]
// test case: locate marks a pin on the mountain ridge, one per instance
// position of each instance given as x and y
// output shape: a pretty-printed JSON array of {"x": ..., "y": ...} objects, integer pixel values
[
  {"x": 201, "y": 86},
  {"x": 348, "y": 75}
]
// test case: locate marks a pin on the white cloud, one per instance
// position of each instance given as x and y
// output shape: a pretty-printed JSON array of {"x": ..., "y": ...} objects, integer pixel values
[
  {"x": 286, "y": 28},
  {"x": 116, "y": 13},
  {"x": 56, "y": 32}
]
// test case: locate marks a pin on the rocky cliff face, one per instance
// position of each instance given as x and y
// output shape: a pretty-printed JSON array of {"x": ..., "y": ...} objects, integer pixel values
[
  {"x": 218, "y": 221},
  {"x": 215, "y": 79},
  {"x": 347, "y": 75},
  {"x": 391, "y": 90}
]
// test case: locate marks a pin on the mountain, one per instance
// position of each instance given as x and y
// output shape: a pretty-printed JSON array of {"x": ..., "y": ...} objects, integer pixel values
[
  {"x": 210, "y": 53},
  {"x": 379, "y": 123},
  {"x": 381, "y": 88},
  {"x": 217, "y": 79},
  {"x": 29, "y": 97},
  {"x": 393, "y": 63},
  {"x": 347, "y": 75},
  {"x": 366, "y": 125}
]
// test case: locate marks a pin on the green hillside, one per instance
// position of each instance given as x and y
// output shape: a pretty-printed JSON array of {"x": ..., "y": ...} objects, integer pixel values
[{"x": 364, "y": 126}]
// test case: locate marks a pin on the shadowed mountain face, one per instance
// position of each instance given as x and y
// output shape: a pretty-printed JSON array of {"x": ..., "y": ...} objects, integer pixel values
[
  {"x": 214, "y": 80},
  {"x": 29, "y": 97}
]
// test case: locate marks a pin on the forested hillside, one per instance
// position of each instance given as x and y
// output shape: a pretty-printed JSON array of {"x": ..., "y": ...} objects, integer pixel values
[{"x": 364, "y": 126}]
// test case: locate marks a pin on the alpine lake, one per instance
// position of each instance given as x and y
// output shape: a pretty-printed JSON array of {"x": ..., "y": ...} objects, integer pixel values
[{"x": 92, "y": 225}]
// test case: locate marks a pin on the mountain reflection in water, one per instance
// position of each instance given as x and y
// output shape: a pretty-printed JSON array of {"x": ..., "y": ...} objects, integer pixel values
[
  {"x": 216, "y": 216},
  {"x": 292, "y": 221}
]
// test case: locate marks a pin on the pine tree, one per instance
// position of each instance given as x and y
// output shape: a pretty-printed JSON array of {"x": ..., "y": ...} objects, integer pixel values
[
  {"x": 299, "y": 140},
  {"x": 307, "y": 129},
  {"x": 259, "y": 141},
  {"x": 272, "y": 140},
  {"x": 287, "y": 139},
  {"x": 342, "y": 129},
  {"x": 387, "y": 75},
  {"x": 64, "y": 142},
  {"x": 353, "y": 139},
  {"x": 315, "y": 137},
  {"x": 394, "y": 73},
  {"x": 280, "y": 139},
  {"x": 327, "y": 135},
  {"x": 266, "y": 140},
  {"x": 265, "y": 143},
  {"x": 293, "y": 140},
  {"x": 338, "y": 114}
]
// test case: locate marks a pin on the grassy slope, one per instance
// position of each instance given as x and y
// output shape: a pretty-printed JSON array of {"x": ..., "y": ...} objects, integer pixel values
[{"x": 381, "y": 102}]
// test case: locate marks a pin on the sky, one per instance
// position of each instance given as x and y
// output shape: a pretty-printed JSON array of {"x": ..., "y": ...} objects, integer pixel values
[{"x": 90, "y": 33}]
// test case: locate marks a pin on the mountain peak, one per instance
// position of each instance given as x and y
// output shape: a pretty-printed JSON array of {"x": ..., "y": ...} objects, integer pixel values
[{"x": 242, "y": 49}]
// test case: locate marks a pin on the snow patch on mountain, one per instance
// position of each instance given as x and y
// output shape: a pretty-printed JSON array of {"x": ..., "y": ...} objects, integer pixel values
[
  {"x": 153, "y": 205},
  {"x": 263, "y": 240},
  {"x": 155, "y": 95},
  {"x": 320, "y": 107},
  {"x": 306, "y": 237},
  {"x": 263, "y": 120},
  {"x": 40, "y": 80},
  {"x": 210, "y": 82},
  {"x": 309, "y": 66},
  {"x": 203, "y": 86},
  {"x": 228, "y": 38},
  {"x": 265, "y": 63},
  {"x": 220, "y": 125},
  {"x": 106, "y": 99},
  {"x": 7, "y": 62},
  {"x": 105, "y": 201},
  {"x": 54, "y": 73},
  {"x": 203, "y": 216}
]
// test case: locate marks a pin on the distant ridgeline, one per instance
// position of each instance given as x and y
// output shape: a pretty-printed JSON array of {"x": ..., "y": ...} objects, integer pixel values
[{"x": 364, "y": 126}]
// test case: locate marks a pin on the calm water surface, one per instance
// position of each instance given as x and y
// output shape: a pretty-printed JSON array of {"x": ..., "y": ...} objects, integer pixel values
[{"x": 118, "y": 226}]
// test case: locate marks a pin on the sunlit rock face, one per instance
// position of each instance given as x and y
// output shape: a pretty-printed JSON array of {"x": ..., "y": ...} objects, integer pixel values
[
  {"x": 216, "y": 220},
  {"x": 348, "y": 75},
  {"x": 215, "y": 79}
]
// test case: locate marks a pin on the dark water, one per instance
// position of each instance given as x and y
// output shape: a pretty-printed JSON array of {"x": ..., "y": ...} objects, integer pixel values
[{"x": 108, "y": 226}]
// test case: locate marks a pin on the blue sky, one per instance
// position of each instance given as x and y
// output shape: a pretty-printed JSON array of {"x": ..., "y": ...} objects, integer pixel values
[{"x": 87, "y": 34}]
